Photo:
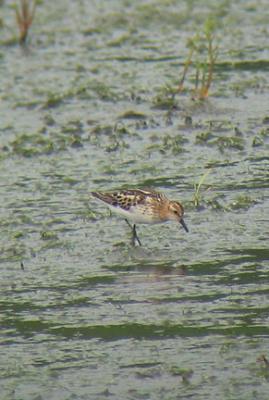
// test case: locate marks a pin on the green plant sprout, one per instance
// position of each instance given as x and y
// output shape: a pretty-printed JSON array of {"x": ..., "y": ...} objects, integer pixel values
[
  {"x": 197, "y": 197},
  {"x": 25, "y": 13},
  {"x": 202, "y": 55}
]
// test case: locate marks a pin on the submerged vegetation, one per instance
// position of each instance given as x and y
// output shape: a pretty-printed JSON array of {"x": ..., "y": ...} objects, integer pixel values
[{"x": 25, "y": 13}]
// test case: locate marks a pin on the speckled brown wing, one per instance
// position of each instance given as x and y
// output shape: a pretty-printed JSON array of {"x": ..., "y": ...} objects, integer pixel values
[
  {"x": 128, "y": 198},
  {"x": 108, "y": 198},
  {"x": 123, "y": 199},
  {"x": 142, "y": 196}
]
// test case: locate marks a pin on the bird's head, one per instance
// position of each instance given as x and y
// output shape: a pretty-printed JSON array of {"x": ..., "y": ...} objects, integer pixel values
[{"x": 176, "y": 212}]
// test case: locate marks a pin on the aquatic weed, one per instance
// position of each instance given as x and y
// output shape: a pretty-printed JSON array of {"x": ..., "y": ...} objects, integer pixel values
[
  {"x": 168, "y": 144},
  {"x": 261, "y": 137},
  {"x": 202, "y": 55},
  {"x": 184, "y": 373},
  {"x": 204, "y": 137},
  {"x": 53, "y": 100},
  {"x": 25, "y": 13},
  {"x": 173, "y": 143},
  {"x": 197, "y": 197},
  {"x": 231, "y": 142},
  {"x": 242, "y": 201},
  {"x": 48, "y": 235},
  {"x": 31, "y": 145},
  {"x": 165, "y": 98},
  {"x": 221, "y": 142}
]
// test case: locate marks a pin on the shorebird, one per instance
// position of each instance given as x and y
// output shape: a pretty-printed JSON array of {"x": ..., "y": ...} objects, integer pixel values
[{"x": 142, "y": 206}]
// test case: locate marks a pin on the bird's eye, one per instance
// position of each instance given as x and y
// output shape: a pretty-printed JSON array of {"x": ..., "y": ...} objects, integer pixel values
[{"x": 175, "y": 212}]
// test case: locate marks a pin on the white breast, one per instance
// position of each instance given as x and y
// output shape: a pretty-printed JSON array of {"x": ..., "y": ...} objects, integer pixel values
[{"x": 135, "y": 214}]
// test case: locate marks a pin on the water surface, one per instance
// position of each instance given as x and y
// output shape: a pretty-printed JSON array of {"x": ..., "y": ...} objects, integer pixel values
[{"x": 83, "y": 314}]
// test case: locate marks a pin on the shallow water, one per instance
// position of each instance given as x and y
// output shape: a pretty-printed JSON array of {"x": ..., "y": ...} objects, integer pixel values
[{"x": 83, "y": 314}]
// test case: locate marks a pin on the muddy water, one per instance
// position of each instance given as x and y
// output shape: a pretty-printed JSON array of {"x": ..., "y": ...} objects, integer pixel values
[{"x": 86, "y": 106}]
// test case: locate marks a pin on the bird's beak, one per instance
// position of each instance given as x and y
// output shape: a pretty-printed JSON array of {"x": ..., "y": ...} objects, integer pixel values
[{"x": 184, "y": 225}]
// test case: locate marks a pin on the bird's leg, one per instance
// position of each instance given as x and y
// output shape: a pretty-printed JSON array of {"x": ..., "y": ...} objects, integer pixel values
[{"x": 134, "y": 237}]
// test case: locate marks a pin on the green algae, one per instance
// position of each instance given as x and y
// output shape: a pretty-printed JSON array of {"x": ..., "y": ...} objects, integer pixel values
[
  {"x": 165, "y": 98},
  {"x": 242, "y": 202},
  {"x": 32, "y": 145},
  {"x": 221, "y": 142},
  {"x": 48, "y": 235}
]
